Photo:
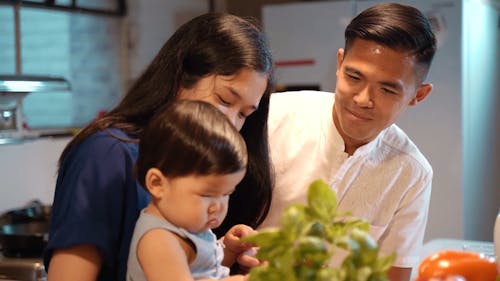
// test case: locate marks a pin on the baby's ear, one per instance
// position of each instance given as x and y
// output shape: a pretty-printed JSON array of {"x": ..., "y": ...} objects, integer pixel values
[{"x": 155, "y": 182}]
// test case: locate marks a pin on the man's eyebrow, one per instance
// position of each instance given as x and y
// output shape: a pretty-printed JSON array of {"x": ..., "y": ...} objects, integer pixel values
[
  {"x": 390, "y": 84},
  {"x": 354, "y": 70},
  {"x": 393, "y": 85}
]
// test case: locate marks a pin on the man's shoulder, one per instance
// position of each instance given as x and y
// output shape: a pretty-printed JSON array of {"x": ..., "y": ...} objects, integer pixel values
[
  {"x": 299, "y": 113},
  {"x": 300, "y": 97},
  {"x": 299, "y": 105},
  {"x": 397, "y": 141}
]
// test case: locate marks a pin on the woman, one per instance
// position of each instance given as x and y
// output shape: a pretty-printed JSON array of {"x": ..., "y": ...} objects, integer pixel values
[{"x": 220, "y": 59}]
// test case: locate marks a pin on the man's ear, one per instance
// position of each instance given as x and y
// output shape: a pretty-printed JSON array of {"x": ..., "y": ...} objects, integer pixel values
[
  {"x": 155, "y": 182},
  {"x": 340, "y": 59},
  {"x": 422, "y": 92}
]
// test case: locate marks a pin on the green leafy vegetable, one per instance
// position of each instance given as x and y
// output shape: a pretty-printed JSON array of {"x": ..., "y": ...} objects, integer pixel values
[{"x": 303, "y": 247}]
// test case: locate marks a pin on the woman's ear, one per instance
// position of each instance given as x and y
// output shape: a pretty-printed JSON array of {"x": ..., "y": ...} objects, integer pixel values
[
  {"x": 155, "y": 182},
  {"x": 422, "y": 92}
]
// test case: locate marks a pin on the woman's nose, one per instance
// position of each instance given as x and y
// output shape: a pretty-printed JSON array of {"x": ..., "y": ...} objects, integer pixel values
[{"x": 232, "y": 115}]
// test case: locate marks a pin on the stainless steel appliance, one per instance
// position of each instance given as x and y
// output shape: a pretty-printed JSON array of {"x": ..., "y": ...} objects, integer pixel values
[
  {"x": 22, "y": 269},
  {"x": 23, "y": 234},
  {"x": 13, "y": 89}
]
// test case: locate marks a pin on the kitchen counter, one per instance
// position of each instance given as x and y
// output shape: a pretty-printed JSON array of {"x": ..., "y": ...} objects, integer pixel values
[{"x": 436, "y": 245}]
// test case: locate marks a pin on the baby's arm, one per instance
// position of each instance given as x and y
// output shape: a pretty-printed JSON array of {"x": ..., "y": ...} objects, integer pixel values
[{"x": 164, "y": 256}]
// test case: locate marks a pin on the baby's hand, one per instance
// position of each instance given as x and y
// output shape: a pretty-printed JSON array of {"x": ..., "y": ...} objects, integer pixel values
[
  {"x": 247, "y": 260},
  {"x": 232, "y": 239}
]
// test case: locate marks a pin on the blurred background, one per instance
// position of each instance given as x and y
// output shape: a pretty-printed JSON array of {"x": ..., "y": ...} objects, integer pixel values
[{"x": 96, "y": 48}]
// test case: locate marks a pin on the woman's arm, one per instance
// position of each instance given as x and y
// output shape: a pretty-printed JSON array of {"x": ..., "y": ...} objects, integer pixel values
[{"x": 78, "y": 263}]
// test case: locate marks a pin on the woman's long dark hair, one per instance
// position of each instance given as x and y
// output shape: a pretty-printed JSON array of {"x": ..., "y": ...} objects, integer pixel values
[{"x": 220, "y": 44}]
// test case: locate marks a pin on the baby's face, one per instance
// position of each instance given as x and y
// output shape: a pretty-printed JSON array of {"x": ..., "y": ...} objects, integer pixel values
[{"x": 198, "y": 203}]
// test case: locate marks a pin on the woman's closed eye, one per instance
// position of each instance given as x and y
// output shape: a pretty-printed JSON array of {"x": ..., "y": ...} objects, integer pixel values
[{"x": 224, "y": 101}]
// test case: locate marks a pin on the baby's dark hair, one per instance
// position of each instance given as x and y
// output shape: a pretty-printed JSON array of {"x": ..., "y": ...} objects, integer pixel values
[{"x": 190, "y": 138}]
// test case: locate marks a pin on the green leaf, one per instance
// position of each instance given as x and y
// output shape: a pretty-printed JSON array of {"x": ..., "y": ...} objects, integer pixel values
[
  {"x": 263, "y": 237},
  {"x": 384, "y": 263},
  {"x": 309, "y": 235},
  {"x": 293, "y": 222},
  {"x": 322, "y": 200}
]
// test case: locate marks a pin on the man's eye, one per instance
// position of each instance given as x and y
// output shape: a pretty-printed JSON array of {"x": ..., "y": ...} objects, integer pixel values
[
  {"x": 388, "y": 91},
  {"x": 352, "y": 77}
]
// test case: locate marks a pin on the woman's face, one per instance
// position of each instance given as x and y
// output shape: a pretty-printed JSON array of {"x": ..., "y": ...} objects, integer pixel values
[{"x": 237, "y": 96}]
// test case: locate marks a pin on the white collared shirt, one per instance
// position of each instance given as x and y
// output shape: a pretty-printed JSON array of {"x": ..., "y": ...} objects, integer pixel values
[{"x": 386, "y": 182}]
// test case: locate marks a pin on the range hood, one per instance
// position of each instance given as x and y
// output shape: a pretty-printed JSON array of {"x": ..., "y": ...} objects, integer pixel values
[
  {"x": 13, "y": 89},
  {"x": 32, "y": 83}
]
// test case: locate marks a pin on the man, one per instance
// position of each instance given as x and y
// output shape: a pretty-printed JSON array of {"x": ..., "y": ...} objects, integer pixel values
[{"x": 376, "y": 171}]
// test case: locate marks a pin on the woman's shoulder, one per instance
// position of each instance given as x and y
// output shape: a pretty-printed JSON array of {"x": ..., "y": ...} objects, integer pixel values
[{"x": 106, "y": 143}]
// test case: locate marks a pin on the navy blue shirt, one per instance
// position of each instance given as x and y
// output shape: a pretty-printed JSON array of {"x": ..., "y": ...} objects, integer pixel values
[{"x": 97, "y": 201}]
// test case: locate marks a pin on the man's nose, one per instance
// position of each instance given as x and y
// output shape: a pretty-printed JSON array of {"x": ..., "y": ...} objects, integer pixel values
[{"x": 364, "y": 97}]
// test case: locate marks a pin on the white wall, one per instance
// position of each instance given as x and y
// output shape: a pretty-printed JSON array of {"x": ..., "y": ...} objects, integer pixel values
[
  {"x": 151, "y": 22},
  {"x": 481, "y": 119},
  {"x": 28, "y": 171}
]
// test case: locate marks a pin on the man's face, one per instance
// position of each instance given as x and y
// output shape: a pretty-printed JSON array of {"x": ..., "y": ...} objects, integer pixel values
[{"x": 375, "y": 84}]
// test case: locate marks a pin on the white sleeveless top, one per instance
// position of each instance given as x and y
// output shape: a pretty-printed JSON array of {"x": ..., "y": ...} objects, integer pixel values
[{"x": 209, "y": 251}]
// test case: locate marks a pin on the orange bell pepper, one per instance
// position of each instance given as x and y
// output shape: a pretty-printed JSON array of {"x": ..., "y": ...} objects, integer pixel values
[{"x": 472, "y": 266}]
